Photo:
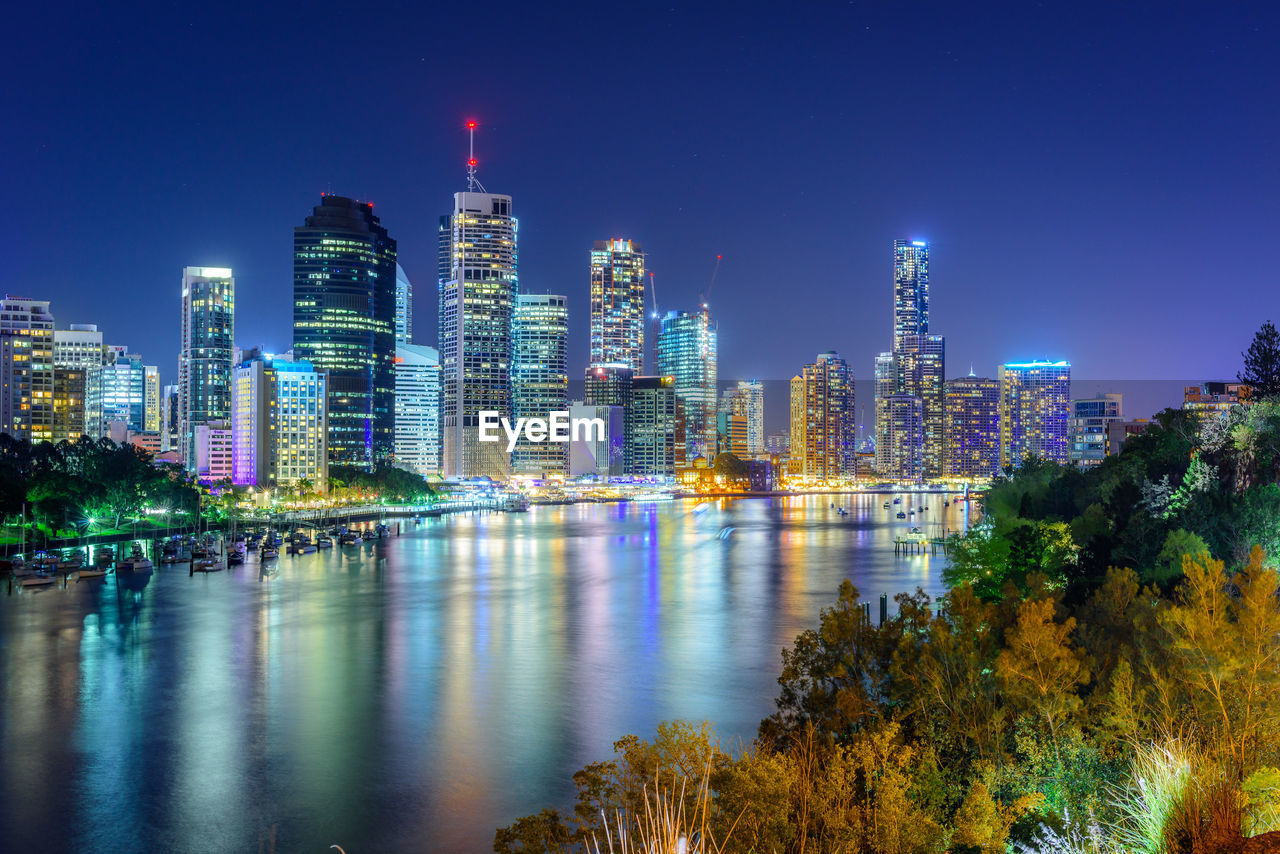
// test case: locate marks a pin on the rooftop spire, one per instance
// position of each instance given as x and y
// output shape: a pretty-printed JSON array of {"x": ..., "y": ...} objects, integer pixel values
[{"x": 472, "y": 182}]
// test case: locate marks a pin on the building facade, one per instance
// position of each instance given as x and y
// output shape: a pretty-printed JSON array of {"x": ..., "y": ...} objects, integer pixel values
[
  {"x": 26, "y": 369},
  {"x": 213, "y": 446},
  {"x": 344, "y": 316},
  {"x": 1210, "y": 398},
  {"x": 418, "y": 409},
  {"x": 655, "y": 422},
  {"x": 972, "y": 428},
  {"x": 1035, "y": 400},
  {"x": 910, "y": 290},
  {"x": 747, "y": 401},
  {"x": 617, "y": 304},
  {"x": 279, "y": 432},
  {"x": 799, "y": 424},
  {"x": 885, "y": 385},
  {"x": 831, "y": 427},
  {"x": 404, "y": 307},
  {"x": 540, "y": 378},
  {"x": 687, "y": 353},
  {"x": 920, "y": 364},
  {"x": 1087, "y": 431},
  {"x": 905, "y": 440},
  {"x": 479, "y": 281},
  {"x": 208, "y": 351}
]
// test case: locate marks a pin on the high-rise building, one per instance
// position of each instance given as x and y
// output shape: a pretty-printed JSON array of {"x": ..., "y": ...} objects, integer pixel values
[
  {"x": 479, "y": 281},
  {"x": 79, "y": 348},
  {"x": 831, "y": 428},
  {"x": 617, "y": 304},
  {"x": 655, "y": 422},
  {"x": 1087, "y": 432},
  {"x": 150, "y": 399},
  {"x": 344, "y": 323},
  {"x": 886, "y": 385},
  {"x": 597, "y": 453},
  {"x": 905, "y": 440},
  {"x": 1210, "y": 398},
  {"x": 731, "y": 434},
  {"x": 124, "y": 392},
  {"x": 169, "y": 420},
  {"x": 404, "y": 307},
  {"x": 540, "y": 377},
  {"x": 278, "y": 424},
  {"x": 68, "y": 404},
  {"x": 418, "y": 409},
  {"x": 687, "y": 353},
  {"x": 1034, "y": 410},
  {"x": 920, "y": 365},
  {"x": 26, "y": 369},
  {"x": 208, "y": 351},
  {"x": 910, "y": 289},
  {"x": 609, "y": 385},
  {"x": 799, "y": 424},
  {"x": 747, "y": 401},
  {"x": 972, "y": 427}
]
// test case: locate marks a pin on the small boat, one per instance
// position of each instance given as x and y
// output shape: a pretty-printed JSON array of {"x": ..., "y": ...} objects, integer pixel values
[
  {"x": 921, "y": 508},
  {"x": 301, "y": 549},
  {"x": 39, "y": 580},
  {"x": 897, "y": 501},
  {"x": 235, "y": 558},
  {"x": 324, "y": 543},
  {"x": 72, "y": 563},
  {"x": 170, "y": 558},
  {"x": 901, "y": 515},
  {"x": 911, "y": 512},
  {"x": 268, "y": 553},
  {"x": 886, "y": 505},
  {"x": 95, "y": 572},
  {"x": 915, "y": 531},
  {"x": 351, "y": 538},
  {"x": 946, "y": 504},
  {"x": 133, "y": 564},
  {"x": 207, "y": 564}
]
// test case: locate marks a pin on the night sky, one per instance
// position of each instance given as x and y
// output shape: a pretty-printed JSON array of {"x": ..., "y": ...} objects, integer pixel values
[{"x": 1098, "y": 184}]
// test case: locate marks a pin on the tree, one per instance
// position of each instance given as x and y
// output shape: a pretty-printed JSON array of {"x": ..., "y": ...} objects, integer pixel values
[{"x": 1262, "y": 363}]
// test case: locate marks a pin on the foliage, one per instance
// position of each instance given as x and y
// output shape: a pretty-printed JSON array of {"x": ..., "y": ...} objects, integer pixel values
[
  {"x": 1262, "y": 362},
  {"x": 387, "y": 482}
]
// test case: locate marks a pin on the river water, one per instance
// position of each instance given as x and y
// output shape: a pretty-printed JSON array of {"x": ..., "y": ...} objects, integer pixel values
[{"x": 414, "y": 693}]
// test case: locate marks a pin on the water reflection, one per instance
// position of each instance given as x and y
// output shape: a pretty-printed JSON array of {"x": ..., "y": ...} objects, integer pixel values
[{"x": 415, "y": 693}]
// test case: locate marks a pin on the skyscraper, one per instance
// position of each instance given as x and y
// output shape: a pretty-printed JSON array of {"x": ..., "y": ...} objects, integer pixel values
[
  {"x": 886, "y": 385},
  {"x": 910, "y": 289},
  {"x": 831, "y": 427},
  {"x": 124, "y": 392},
  {"x": 1034, "y": 409},
  {"x": 617, "y": 304},
  {"x": 208, "y": 350},
  {"x": 747, "y": 401},
  {"x": 344, "y": 317},
  {"x": 687, "y": 354},
  {"x": 540, "y": 379},
  {"x": 26, "y": 369},
  {"x": 799, "y": 427},
  {"x": 479, "y": 280},
  {"x": 79, "y": 348},
  {"x": 418, "y": 409},
  {"x": 68, "y": 403},
  {"x": 150, "y": 399},
  {"x": 655, "y": 434},
  {"x": 404, "y": 307},
  {"x": 169, "y": 419},
  {"x": 905, "y": 440},
  {"x": 920, "y": 364},
  {"x": 278, "y": 424},
  {"x": 972, "y": 427}
]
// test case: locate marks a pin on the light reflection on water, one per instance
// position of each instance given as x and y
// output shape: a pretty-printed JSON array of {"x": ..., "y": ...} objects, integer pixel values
[{"x": 415, "y": 693}]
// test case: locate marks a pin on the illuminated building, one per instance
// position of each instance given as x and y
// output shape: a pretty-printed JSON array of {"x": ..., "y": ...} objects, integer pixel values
[
  {"x": 1120, "y": 432},
  {"x": 278, "y": 425},
  {"x": 149, "y": 442},
  {"x": 479, "y": 280},
  {"x": 905, "y": 439},
  {"x": 26, "y": 369},
  {"x": 123, "y": 386},
  {"x": 418, "y": 409},
  {"x": 747, "y": 401},
  {"x": 654, "y": 428},
  {"x": 404, "y": 307},
  {"x": 731, "y": 434},
  {"x": 609, "y": 385},
  {"x": 213, "y": 447},
  {"x": 68, "y": 404},
  {"x": 617, "y": 304},
  {"x": 687, "y": 353},
  {"x": 79, "y": 348},
  {"x": 799, "y": 424},
  {"x": 1087, "y": 430},
  {"x": 169, "y": 419},
  {"x": 344, "y": 316},
  {"x": 830, "y": 424},
  {"x": 1034, "y": 409},
  {"x": 972, "y": 427},
  {"x": 1213, "y": 397},
  {"x": 151, "y": 399},
  {"x": 920, "y": 365},
  {"x": 910, "y": 289},
  {"x": 886, "y": 385},
  {"x": 540, "y": 377},
  {"x": 207, "y": 354},
  {"x": 593, "y": 454}
]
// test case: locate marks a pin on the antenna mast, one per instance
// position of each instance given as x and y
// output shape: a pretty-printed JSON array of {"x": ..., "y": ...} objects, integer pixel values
[{"x": 472, "y": 181}]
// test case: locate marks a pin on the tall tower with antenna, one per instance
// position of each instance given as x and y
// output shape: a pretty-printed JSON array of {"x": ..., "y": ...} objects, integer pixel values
[{"x": 478, "y": 283}]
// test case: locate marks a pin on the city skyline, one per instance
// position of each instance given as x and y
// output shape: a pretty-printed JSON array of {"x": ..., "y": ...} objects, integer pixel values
[{"x": 704, "y": 176}]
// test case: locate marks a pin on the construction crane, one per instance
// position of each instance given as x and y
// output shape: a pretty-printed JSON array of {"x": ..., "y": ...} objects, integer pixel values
[{"x": 705, "y": 299}]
